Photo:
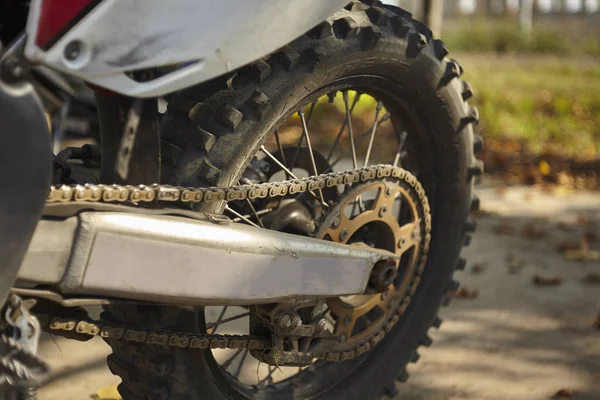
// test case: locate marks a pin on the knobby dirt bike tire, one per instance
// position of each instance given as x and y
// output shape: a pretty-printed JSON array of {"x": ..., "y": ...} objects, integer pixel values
[{"x": 210, "y": 131}]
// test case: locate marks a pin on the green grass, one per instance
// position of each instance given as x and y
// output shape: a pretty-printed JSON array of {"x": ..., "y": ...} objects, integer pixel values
[
  {"x": 547, "y": 104},
  {"x": 503, "y": 36}
]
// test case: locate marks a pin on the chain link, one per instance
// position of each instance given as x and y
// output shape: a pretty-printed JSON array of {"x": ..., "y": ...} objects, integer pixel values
[{"x": 164, "y": 193}]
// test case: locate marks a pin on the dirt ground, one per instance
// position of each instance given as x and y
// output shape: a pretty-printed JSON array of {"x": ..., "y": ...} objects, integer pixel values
[{"x": 515, "y": 340}]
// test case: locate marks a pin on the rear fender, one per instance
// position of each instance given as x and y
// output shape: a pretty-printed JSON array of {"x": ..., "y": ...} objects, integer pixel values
[{"x": 202, "y": 38}]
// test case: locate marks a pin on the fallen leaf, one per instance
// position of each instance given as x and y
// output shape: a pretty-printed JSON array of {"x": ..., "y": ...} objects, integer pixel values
[
  {"x": 547, "y": 188},
  {"x": 547, "y": 280},
  {"x": 582, "y": 255},
  {"x": 532, "y": 232},
  {"x": 593, "y": 278},
  {"x": 465, "y": 293},
  {"x": 582, "y": 220},
  {"x": 544, "y": 167},
  {"x": 563, "y": 226},
  {"x": 478, "y": 268},
  {"x": 504, "y": 229},
  {"x": 515, "y": 266},
  {"x": 501, "y": 191},
  {"x": 107, "y": 393},
  {"x": 568, "y": 246},
  {"x": 563, "y": 394},
  {"x": 590, "y": 236}
]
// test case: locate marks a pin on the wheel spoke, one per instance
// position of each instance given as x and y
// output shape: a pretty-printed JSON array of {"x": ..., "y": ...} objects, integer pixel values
[
  {"x": 301, "y": 138},
  {"x": 346, "y": 119},
  {"x": 228, "y": 362},
  {"x": 240, "y": 216},
  {"x": 373, "y": 130},
  {"x": 272, "y": 157},
  {"x": 269, "y": 378},
  {"x": 353, "y": 147},
  {"x": 223, "y": 321},
  {"x": 258, "y": 212},
  {"x": 242, "y": 362},
  {"x": 312, "y": 156},
  {"x": 361, "y": 138},
  {"x": 280, "y": 147},
  {"x": 310, "y": 111},
  {"x": 255, "y": 213},
  {"x": 350, "y": 130},
  {"x": 216, "y": 324},
  {"x": 400, "y": 154}
]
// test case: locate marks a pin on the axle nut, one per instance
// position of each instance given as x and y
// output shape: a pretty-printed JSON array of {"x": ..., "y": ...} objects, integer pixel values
[
  {"x": 382, "y": 275},
  {"x": 296, "y": 322},
  {"x": 285, "y": 322}
]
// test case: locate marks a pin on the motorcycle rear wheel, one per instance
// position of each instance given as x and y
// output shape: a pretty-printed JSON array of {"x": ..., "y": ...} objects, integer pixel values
[{"x": 211, "y": 131}]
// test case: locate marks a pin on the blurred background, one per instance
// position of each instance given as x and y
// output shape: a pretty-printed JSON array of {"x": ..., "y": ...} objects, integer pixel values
[{"x": 535, "y": 67}]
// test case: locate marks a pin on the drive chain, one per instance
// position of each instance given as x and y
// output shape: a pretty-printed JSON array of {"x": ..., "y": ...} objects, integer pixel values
[{"x": 165, "y": 193}]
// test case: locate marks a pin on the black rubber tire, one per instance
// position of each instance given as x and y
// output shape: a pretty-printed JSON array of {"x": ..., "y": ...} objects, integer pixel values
[{"x": 211, "y": 130}]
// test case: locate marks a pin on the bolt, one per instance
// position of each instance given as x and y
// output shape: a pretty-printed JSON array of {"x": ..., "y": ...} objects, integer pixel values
[
  {"x": 337, "y": 221},
  {"x": 382, "y": 211},
  {"x": 15, "y": 302},
  {"x": 388, "y": 192},
  {"x": 343, "y": 337},
  {"x": 402, "y": 242},
  {"x": 384, "y": 295},
  {"x": 344, "y": 234},
  {"x": 72, "y": 50},
  {"x": 14, "y": 68},
  {"x": 415, "y": 234},
  {"x": 321, "y": 324},
  {"x": 30, "y": 330},
  {"x": 265, "y": 167},
  {"x": 296, "y": 321},
  {"x": 348, "y": 320},
  {"x": 285, "y": 322}
]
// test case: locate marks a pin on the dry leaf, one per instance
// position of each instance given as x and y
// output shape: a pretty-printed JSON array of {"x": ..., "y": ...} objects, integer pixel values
[
  {"x": 515, "y": 266},
  {"x": 547, "y": 280},
  {"x": 501, "y": 191},
  {"x": 465, "y": 293},
  {"x": 563, "y": 394},
  {"x": 504, "y": 229},
  {"x": 593, "y": 278},
  {"x": 563, "y": 226},
  {"x": 582, "y": 220},
  {"x": 568, "y": 246},
  {"x": 478, "y": 268},
  {"x": 107, "y": 393},
  {"x": 533, "y": 232},
  {"x": 590, "y": 236},
  {"x": 544, "y": 167},
  {"x": 582, "y": 255}
]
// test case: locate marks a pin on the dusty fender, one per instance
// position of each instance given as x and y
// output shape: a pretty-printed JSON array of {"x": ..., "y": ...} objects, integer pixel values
[{"x": 207, "y": 38}]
